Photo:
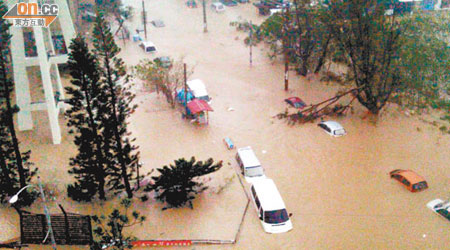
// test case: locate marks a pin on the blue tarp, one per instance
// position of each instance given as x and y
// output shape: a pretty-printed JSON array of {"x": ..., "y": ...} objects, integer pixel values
[{"x": 181, "y": 98}]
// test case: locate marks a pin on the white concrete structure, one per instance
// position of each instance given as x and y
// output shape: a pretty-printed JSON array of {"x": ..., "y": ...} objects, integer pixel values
[{"x": 47, "y": 61}]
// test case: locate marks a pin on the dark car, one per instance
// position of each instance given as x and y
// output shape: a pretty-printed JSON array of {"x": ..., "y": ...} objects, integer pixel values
[
  {"x": 243, "y": 1},
  {"x": 164, "y": 61},
  {"x": 229, "y": 3}
]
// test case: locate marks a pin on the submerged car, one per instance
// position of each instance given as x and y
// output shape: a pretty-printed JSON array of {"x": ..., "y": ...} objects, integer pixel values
[
  {"x": 158, "y": 23},
  {"x": 164, "y": 61},
  {"x": 218, "y": 7},
  {"x": 148, "y": 46},
  {"x": 229, "y": 3},
  {"x": 410, "y": 179},
  {"x": 440, "y": 207},
  {"x": 332, "y": 128},
  {"x": 295, "y": 102}
]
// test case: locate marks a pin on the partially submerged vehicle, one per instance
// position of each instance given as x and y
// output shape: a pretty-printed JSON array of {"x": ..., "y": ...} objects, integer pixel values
[
  {"x": 218, "y": 7},
  {"x": 410, "y": 179},
  {"x": 250, "y": 166},
  {"x": 148, "y": 46},
  {"x": 332, "y": 128},
  {"x": 158, "y": 23},
  {"x": 198, "y": 90},
  {"x": 295, "y": 102},
  {"x": 229, "y": 3},
  {"x": 440, "y": 207},
  {"x": 270, "y": 206},
  {"x": 164, "y": 61}
]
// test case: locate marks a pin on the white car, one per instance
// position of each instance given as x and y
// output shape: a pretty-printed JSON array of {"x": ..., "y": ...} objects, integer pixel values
[
  {"x": 440, "y": 207},
  {"x": 218, "y": 7},
  {"x": 148, "y": 46},
  {"x": 332, "y": 128}
]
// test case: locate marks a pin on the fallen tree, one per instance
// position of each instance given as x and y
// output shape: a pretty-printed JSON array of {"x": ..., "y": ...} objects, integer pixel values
[{"x": 321, "y": 109}]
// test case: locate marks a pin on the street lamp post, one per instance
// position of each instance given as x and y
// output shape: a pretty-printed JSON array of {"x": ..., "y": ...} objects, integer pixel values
[{"x": 47, "y": 214}]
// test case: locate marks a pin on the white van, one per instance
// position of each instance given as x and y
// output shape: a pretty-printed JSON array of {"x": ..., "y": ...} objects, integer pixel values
[
  {"x": 147, "y": 46},
  {"x": 270, "y": 206},
  {"x": 249, "y": 164},
  {"x": 198, "y": 90}
]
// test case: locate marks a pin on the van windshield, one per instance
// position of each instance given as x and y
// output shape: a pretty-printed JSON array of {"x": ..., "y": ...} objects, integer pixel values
[
  {"x": 276, "y": 216},
  {"x": 254, "y": 171},
  {"x": 204, "y": 98}
]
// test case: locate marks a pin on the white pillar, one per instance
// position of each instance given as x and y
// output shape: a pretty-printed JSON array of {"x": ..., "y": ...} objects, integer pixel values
[
  {"x": 22, "y": 86},
  {"x": 47, "y": 84},
  {"x": 55, "y": 71},
  {"x": 65, "y": 19}
]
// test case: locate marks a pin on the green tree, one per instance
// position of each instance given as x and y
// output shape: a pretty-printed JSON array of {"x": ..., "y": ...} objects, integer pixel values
[
  {"x": 13, "y": 162},
  {"x": 176, "y": 185},
  {"x": 423, "y": 60},
  {"x": 118, "y": 106},
  {"x": 108, "y": 231},
  {"x": 371, "y": 41},
  {"x": 87, "y": 96},
  {"x": 161, "y": 77}
]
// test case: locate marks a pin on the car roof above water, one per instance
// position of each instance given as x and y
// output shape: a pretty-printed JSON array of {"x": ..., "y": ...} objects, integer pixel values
[
  {"x": 248, "y": 157},
  {"x": 268, "y": 194},
  {"x": 333, "y": 125}
]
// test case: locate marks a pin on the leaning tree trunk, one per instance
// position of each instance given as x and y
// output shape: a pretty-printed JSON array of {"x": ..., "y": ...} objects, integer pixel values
[
  {"x": 10, "y": 122},
  {"x": 321, "y": 61}
]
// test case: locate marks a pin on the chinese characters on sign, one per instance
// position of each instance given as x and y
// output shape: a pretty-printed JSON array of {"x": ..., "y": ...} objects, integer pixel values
[
  {"x": 32, "y": 14},
  {"x": 29, "y": 22}
]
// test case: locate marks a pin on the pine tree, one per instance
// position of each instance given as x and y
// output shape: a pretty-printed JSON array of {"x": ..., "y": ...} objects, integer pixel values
[
  {"x": 176, "y": 185},
  {"x": 13, "y": 162},
  {"x": 87, "y": 96},
  {"x": 118, "y": 108},
  {"x": 108, "y": 231}
]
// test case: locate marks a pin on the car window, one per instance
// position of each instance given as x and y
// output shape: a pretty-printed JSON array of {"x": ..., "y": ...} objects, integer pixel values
[
  {"x": 420, "y": 185},
  {"x": 276, "y": 216},
  {"x": 258, "y": 204},
  {"x": 406, "y": 182}
]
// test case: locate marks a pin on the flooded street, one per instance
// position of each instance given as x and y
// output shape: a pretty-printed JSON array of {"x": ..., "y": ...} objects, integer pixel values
[{"x": 338, "y": 189}]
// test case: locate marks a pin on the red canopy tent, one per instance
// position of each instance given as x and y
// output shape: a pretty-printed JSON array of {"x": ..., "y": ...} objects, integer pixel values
[
  {"x": 197, "y": 105},
  {"x": 199, "y": 108}
]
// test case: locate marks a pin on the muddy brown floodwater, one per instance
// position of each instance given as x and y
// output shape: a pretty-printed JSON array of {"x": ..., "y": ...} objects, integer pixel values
[{"x": 338, "y": 189}]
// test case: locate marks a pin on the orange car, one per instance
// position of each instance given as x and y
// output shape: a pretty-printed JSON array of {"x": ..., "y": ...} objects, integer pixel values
[{"x": 410, "y": 179}]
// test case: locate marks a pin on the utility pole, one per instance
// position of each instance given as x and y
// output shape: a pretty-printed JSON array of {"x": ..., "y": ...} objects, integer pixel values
[
  {"x": 47, "y": 214},
  {"x": 251, "y": 42},
  {"x": 185, "y": 89},
  {"x": 144, "y": 19},
  {"x": 205, "y": 26},
  {"x": 285, "y": 47}
]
